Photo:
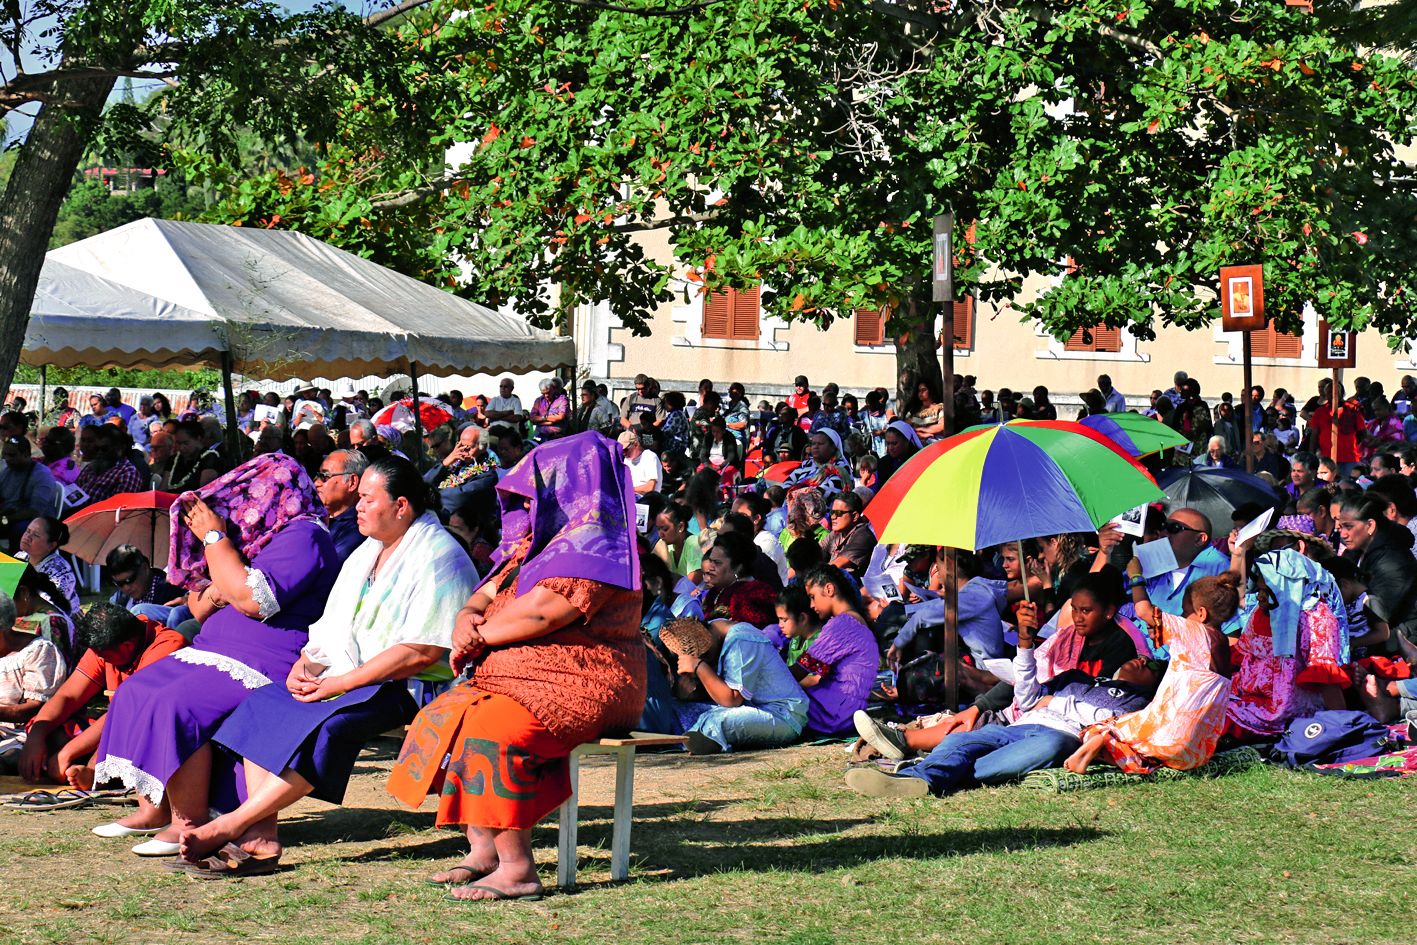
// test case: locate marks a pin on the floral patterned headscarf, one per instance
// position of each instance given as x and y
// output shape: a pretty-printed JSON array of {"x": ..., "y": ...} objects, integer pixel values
[{"x": 256, "y": 499}]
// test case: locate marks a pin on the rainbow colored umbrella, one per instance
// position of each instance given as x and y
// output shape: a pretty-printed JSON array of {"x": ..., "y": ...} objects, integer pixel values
[
  {"x": 11, "y": 570},
  {"x": 996, "y": 484},
  {"x": 1138, "y": 435}
]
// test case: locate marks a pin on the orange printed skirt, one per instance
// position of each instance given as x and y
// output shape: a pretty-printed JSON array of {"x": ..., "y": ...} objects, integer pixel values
[{"x": 489, "y": 760}]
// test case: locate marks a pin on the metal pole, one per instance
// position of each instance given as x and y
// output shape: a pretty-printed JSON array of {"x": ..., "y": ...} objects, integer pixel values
[
  {"x": 419, "y": 456},
  {"x": 43, "y": 410},
  {"x": 1248, "y": 419},
  {"x": 232, "y": 448},
  {"x": 949, "y": 642},
  {"x": 947, "y": 370}
]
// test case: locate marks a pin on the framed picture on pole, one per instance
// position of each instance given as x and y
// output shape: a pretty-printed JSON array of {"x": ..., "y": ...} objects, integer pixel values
[
  {"x": 1337, "y": 349},
  {"x": 1242, "y": 298}
]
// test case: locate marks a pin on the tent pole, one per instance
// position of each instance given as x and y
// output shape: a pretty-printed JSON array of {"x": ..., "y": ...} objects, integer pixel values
[
  {"x": 43, "y": 409},
  {"x": 419, "y": 455},
  {"x": 232, "y": 432}
]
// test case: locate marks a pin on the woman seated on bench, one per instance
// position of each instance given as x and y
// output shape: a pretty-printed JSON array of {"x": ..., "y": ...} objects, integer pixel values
[
  {"x": 389, "y": 617},
  {"x": 554, "y": 658}
]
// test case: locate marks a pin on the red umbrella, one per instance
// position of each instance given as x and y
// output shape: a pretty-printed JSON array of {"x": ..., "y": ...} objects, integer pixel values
[
  {"x": 778, "y": 472},
  {"x": 129, "y": 518},
  {"x": 399, "y": 415}
]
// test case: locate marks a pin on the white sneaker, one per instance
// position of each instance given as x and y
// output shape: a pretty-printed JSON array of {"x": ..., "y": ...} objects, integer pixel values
[
  {"x": 157, "y": 848},
  {"x": 116, "y": 829}
]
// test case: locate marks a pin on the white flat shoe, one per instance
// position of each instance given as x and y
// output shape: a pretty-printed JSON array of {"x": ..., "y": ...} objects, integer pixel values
[
  {"x": 157, "y": 848},
  {"x": 116, "y": 829}
]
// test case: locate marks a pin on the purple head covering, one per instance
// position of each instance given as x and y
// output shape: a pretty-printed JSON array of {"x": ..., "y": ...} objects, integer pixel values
[
  {"x": 907, "y": 431},
  {"x": 257, "y": 499},
  {"x": 573, "y": 497}
]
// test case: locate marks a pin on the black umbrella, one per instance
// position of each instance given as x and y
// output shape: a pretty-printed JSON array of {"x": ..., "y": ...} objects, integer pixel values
[{"x": 1216, "y": 492}]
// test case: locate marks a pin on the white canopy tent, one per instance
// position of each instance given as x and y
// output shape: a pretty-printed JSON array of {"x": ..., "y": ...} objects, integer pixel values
[{"x": 270, "y": 303}]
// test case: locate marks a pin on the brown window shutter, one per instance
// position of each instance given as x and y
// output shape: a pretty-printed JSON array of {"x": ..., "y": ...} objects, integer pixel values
[
  {"x": 1081, "y": 340},
  {"x": 1095, "y": 338},
  {"x": 1272, "y": 343},
  {"x": 964, "y": 323},
  {"x": 746, "y": 307},
  {"x": 870, "y": 327},
  {"x": 717, "y": 315},
  {"x": 1107, "y": 339}
]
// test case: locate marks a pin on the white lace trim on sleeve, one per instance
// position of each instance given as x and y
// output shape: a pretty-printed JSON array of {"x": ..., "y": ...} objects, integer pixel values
[{"x": 266, "y": 604}]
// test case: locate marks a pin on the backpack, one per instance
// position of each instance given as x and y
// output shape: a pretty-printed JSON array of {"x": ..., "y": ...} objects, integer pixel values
[{"x": 1332, "y": 736}]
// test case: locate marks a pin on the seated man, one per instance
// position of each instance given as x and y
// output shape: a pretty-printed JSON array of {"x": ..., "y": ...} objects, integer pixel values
[
  {"x": 108, "y": 471},
  {"x": 117, "y": 644},
  {"x": 27, "y": 490},
  {"x": 1047, "y": 732},
  {"x": 338, "y": 485},
  {"x": 756, "y": 701},
  {"x": 467, "y": 475},
  {"x": 142, "y": 590},
  {"x": 1189, "y": 532},
  {"x": 849, "y": 543}
]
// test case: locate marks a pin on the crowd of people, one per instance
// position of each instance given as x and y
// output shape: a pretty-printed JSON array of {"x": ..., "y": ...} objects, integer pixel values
[{"x": 520, "y": 581}]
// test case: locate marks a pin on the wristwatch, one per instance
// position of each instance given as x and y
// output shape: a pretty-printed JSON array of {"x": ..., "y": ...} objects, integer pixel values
[{"x": 212, "y": 537}]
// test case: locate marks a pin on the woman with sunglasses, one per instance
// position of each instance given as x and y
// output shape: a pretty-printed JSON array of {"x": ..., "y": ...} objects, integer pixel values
[{"x": 1384, "y": 556}]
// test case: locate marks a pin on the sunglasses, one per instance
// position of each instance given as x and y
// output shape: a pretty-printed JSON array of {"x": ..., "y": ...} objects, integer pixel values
[
  {"x": 124, "y": 582},
  {"x": 834, "y": 513},
  {"x": 323, "y": 476},
  {"x": 1175, "y": 528}
]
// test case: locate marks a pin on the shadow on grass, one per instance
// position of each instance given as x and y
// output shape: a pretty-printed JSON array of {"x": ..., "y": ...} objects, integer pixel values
[{"x": 669, "y": 847}]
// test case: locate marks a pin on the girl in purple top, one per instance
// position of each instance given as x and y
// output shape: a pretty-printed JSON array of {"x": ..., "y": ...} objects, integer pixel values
[
  {"x": 253, "y": 548},
  {"x": 839, "y": 667}
]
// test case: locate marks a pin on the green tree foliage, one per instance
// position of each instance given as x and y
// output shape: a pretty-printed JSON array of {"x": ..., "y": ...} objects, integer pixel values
[
  {"x": 236, "y": 67},
  {"x": 91, "y": 208},
  {"x": 122, "y": 377},
  {"x": 807, "y": 143}
]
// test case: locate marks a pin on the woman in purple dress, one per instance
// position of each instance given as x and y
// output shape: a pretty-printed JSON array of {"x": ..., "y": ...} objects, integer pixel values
[
  {"x": 253, "y": 549},
  {"x": 839, "y": 667}
]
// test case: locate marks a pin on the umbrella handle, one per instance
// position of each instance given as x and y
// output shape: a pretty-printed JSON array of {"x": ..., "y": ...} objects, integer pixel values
[{"x": 1023, "y": 570}]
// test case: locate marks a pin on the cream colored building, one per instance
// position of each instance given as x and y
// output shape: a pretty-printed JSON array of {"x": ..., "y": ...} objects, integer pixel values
[{"x": 999, "y": 349}]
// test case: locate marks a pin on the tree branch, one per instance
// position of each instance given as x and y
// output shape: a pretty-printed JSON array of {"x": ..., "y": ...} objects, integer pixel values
[
  {"x": 641, "y": 11},
  {"x": 682, "y": 219}
]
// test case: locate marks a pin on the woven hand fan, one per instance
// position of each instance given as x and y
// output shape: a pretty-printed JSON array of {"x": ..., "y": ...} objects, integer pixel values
[{"x": 686, "y": 637}]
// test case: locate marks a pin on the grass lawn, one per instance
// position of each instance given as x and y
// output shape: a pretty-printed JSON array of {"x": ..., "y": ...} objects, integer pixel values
[{"x": 771, "y": 847}]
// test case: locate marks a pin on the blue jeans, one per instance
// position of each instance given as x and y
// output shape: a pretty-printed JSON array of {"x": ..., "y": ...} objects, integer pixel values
[
  {"x": 991, "y": 755},
  {"x": 745, "y": 726}
]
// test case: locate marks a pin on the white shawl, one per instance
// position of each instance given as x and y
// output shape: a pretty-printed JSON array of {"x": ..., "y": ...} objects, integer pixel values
[{"x": 414, "y": 599}]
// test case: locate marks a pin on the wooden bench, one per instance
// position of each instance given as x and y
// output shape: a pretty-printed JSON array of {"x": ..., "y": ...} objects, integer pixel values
[{"x": 624, "y": 751}]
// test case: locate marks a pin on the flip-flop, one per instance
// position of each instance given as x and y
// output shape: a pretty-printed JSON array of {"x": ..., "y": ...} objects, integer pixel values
[
  {"x": 232, "y": 862},
  {"x": 472, "y": 874},
  {"x": 498, "y": 895},
  {"x": 50, "y": 800}
]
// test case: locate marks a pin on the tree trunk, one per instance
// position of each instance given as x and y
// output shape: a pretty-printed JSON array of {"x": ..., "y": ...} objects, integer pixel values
[
  {"x": 35, "y": 192},
  {"x": 917, "y": 354}
]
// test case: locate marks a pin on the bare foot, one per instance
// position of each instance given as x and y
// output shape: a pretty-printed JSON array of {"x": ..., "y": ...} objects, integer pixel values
[
  {"x": 513, "y": 883},
  {"x": 1078, "y": 761},
  {"x": 79, "y": 776},
  {"x": 199, "y": 842},
  {"x": 472, "y": 869}
]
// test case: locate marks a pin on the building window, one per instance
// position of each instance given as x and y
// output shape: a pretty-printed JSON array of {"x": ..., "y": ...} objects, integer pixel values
[
  {"x": 870, "y": 328},
  {"x": 1098, "y": 338},
  {"x": 1272, "y": 343},
  {"x": 963, "y": 310},
  {"x": 733, "y": 314}
]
